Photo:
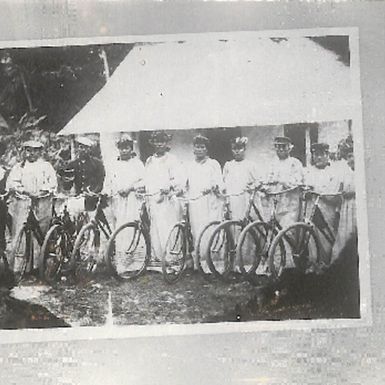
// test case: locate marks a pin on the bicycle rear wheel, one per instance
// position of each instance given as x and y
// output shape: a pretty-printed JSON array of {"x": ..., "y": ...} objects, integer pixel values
[
  {"x": 21, "y": 254},
  {"x": 221, "y": 250},
  {"x": 85, "y": 252},
  {"x": 253, "y": 246},
  {"x": 128, "y": 251},
  {"x": 55, "y": 253},
  {"x": 201, "y": 248},
  {"x": 174, "y": 257},
  {"x": 299, "y": 241}
]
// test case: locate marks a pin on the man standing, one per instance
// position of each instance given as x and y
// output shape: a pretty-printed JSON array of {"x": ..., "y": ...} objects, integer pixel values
[
  {"x": 239, "y": 176},
  {"x": 124, "y": 175},
  {"x": 323, "y": 178},
  {"x": 164, "y": 179},
  {"x": 204, "y": 181},
  {"x": 33, "y": 177},
  {"x": 285, "y": 172},
  {"x": 87, "y": 172}
]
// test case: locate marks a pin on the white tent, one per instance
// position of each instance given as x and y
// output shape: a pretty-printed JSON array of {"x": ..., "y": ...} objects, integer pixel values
[{"x": 207, "y": 82}]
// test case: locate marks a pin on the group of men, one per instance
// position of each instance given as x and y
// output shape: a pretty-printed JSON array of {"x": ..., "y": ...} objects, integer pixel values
[{"x": 164, "y": 179}]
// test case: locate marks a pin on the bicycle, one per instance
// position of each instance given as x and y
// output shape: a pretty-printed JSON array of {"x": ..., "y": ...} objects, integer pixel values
[
  {"x": 23, "y": 251},
  {"x": 58, "y": 243},
  {"x": 179, "y": 245},
  {"x": 87, "y": 244},
  {"x": 128, "y": 250},
  {"x": 255, "y": 239},
  {"x": 222, "y": 244},
  {"x": 302, "y": 237}
]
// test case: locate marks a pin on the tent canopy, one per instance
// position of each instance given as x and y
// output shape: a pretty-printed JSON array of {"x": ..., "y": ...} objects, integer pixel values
[{"x": 208, "y": 82}]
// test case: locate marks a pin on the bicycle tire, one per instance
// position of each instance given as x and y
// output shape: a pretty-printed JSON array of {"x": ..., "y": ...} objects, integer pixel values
[
  {"x": 143, "y": 257},
  {"x": 174, "y": 256},
  {"x": 256, "y": 232},
  {"x": 202, "y": 254},
  {"x": 80, "y": 263},
  {"x": 301, "y": 261},
  {"x": 229, "y": 259},
  {"x": 58, "y": 256},
  {"x": 23, "y": 257}
]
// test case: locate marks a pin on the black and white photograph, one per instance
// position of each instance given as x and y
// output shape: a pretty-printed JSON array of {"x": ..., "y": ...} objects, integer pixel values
[{"x": 196, "y": 179}]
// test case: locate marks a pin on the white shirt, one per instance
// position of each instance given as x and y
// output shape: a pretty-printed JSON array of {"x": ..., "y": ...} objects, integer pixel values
[
  {"x": 122, "y": 174},
  {"x": 239, "y": 174},
  {"x": 162, "y": 172},
  {"x": 33, "y": 178},
  {"x": 203, "y": 175},
  {"x": 324, "y": 181},
  {"x": 288, "y": 171}
]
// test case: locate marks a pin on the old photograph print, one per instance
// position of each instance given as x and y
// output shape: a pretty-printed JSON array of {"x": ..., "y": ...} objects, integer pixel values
[{"x": 192, "y": 179}]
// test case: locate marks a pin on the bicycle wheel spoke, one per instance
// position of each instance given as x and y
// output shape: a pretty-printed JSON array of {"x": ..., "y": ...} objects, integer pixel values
[
  {"x": 174, "y": 258},
  {"x": 222, "y": 249}
]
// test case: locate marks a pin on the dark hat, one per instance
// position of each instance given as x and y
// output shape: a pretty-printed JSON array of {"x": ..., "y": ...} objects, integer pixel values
[
  {"x": 282, "y": 140},
  {"x": 319, "y": 147},
  {"x": 160, "y": 136},
  {"x": 239, "y": 141},
  {"x": 200, "y": 139}
]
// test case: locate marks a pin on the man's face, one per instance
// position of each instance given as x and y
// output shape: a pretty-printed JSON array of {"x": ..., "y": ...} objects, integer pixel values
[
  {"x": 238, "y": 152},
  {"x": 83, "y": 151},
  {"x": 200, "y": 151},
  {"x": 125, "y": 152},
  {"x": 32, "y": 154},
  {"x": 160, "y": 146},
  {"x": 350, "y": 160},
  {"x": 282, "y": 150},
  {"x": 320, "y": 159}
]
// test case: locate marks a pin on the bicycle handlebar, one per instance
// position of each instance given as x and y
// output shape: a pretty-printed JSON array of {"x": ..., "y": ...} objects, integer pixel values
[
  {"x": 324, "y": 194},
  {"x": 27, "y": 197},
  {"x": 275, "y": 193}
]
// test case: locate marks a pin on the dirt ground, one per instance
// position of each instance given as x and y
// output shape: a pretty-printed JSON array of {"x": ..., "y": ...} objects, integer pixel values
[{"x": 101, "y": 300}]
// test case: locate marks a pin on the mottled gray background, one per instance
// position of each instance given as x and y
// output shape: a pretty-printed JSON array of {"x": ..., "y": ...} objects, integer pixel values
[{"x": 342, "y": 356}]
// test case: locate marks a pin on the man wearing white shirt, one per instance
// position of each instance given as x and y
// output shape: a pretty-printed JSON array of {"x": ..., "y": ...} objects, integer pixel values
[
  {"x": 204, "y": 181},
  {"x": 240, "y": 175},
  {"x": 123, "y": 176},
  {"x": 35, "y": 178},
  {"x": 164, "y": 178},
  {"x": 285, "y": 172},
  {"x": 324, "y": 178}
]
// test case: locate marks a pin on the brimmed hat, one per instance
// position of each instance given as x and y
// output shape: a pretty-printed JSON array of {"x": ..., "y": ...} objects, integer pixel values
[
  {"x": 282, "y": 140},
  {"x": 319, "y": 147},
  {"x": 160, "y": 136},
  {"x": 239, "y": 141},
  {"x": 85, "y": 141},
  {"x": 33, "y": 144},
  {"x": 200, "y": 139}
]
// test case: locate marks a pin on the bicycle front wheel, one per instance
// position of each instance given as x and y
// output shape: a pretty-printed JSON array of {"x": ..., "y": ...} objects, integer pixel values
[
  {"x": 55, "y": 253},
  {"x": 86, "y": 250},
  {"x": 128, "y": 251},
  {"x": 300, "y": 242},
  {"x": 21, "y": 254},
  {"x": 253, "y": 246},
  {"x": 201, "y": 248},
  {"x": 174, "y": 257},
  {"x": 221, "y": 250}
]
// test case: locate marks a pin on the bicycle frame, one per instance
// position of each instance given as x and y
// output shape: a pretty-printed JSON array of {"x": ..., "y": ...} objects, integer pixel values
[{"x": 317, "y": 219}]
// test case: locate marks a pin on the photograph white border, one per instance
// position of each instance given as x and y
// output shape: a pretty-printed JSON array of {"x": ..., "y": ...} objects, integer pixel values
[{"x": 108, "y": 332}]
